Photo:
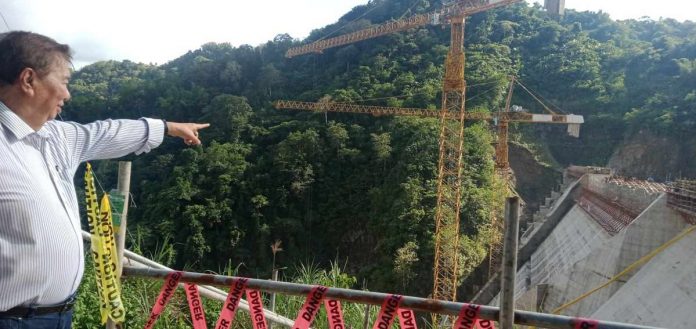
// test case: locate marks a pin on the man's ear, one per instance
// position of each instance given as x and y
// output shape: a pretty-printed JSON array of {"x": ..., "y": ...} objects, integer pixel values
[{"x": 27, "y": 79}]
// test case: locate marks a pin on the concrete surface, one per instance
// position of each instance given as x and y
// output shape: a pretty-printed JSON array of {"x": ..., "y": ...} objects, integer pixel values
[{"x": 578, "y": 255}]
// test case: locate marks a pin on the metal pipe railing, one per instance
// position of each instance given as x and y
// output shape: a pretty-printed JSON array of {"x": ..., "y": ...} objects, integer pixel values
[
  {"x": 205, "y": 291},
  {"x": 418, "y": 304}
]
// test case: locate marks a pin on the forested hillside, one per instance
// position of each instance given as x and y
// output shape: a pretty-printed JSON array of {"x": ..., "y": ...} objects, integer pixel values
[{"x": 357, "y": 189}]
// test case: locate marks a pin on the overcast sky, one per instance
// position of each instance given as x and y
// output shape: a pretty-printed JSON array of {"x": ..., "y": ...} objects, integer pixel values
[{"x": 156, "y": 31}]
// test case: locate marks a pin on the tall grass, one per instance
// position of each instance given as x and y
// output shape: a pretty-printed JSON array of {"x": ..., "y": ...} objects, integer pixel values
[
  {"x": 140, "y": 294},
  {"x": 353, "y": 313}
]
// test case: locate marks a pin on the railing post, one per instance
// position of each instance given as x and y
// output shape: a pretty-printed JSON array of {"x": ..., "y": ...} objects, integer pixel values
[
  {"x": 123, "y": 187},
  {"x": 366, "y": 320},
  {"x": 507, "y": 284},
  {"x": 273, "y": 295}
]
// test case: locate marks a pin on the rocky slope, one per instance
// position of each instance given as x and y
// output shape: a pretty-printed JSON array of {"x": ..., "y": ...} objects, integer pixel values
[{"x": 646, "y": 155}]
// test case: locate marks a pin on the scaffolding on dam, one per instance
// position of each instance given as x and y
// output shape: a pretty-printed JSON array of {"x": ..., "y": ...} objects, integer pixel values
[{"x": 681, "y": 196}]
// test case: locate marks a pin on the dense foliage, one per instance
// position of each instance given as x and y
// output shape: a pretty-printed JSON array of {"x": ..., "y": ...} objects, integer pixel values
[{"x": 360, "y": 189}]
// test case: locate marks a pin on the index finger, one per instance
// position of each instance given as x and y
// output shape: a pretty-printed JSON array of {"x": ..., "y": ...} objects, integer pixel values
[{"x": 202, "y": 125}]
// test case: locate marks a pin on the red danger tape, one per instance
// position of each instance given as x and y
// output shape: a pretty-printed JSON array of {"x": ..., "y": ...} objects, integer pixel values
[
  {"x": 582, "y": 323},
  {"x": 334, "y": 313},
  {"x": 258, "y": 319},
  {"x": 485, "y": 324},
  {"x": 310, "y": 308},
  {"x": 407, "y": 319},
  {"x": 467, "y": 316},
  {"x": 388, "y": 312},
  {"x": 195, "y": 306},
  {"x": 231, "y": 304},
  {"x": 166, "y": 293}
]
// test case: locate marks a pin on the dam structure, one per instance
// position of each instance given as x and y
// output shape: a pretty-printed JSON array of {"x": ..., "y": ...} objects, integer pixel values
[{"x": 609, "y": 248}]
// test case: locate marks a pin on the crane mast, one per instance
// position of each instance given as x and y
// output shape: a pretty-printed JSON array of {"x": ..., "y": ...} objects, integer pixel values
[
  {"x": 502, "y": 168},
  {"x": 501, "y": 152},
  {"x": 452, "y": 117},
  {"x": 448, "y": 205}
]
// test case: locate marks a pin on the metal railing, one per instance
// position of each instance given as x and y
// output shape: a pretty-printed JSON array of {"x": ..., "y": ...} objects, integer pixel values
[
  {"x": 136, "y": 261},
  {"x": 540, "y": 320}
]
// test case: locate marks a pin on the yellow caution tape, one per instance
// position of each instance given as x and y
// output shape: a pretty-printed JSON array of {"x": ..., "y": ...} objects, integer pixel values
[{"x": 104, "y": 253}]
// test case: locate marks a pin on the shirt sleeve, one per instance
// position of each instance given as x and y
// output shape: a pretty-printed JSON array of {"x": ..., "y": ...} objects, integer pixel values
[{"x": 110, "y": 139}]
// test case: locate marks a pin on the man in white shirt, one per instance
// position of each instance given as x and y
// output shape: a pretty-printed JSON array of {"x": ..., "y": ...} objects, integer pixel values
[{"x": 41, "y": 251}]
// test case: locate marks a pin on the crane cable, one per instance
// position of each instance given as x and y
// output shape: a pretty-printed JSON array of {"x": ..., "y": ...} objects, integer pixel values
[
  {"x": 346, "y": 24},
  {"x": 537, "y": 98},
  {"x": 4, "y": 20},
  {"x": 479, "y": 94},
  {"x": 415, "y": 2},
  {"x": 628, "y": 269},
  {"x": 423, "y": 93}
]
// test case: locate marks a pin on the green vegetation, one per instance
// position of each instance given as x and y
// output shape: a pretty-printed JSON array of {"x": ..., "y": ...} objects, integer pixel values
[
  {"x": 360, "y": 190},
  {"x": 139, "y": 296}
]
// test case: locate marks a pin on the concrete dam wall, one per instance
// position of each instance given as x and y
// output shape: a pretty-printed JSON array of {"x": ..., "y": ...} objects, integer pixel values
[{"x": 620, "y": 235}]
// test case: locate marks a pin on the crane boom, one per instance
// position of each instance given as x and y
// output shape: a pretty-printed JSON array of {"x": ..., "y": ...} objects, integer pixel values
[
  {"x": 525, "y": 117},
  {"x": 370, "y": 109},
  {"x": 459, "y": 9}
]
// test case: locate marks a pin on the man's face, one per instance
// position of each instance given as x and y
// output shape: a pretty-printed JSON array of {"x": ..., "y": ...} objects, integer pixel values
[{"x": 52, "y": 90}]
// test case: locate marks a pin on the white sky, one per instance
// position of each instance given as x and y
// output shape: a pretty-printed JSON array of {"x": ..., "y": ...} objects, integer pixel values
[{"x": 156, "y": 31}]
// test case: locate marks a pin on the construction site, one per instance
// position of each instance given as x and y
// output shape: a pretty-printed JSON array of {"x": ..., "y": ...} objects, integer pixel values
[
  {"x": 603, "y": 251},
  {"x": 611, "y": 249},
  {"x": 608, "y": 247},
  {"x": 600, "y": 250}
]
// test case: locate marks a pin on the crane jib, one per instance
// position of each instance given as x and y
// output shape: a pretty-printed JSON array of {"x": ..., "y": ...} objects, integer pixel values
[{"x": 458, "y": 9}]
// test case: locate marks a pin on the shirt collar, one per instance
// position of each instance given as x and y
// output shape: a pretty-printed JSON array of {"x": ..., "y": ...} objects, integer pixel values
[{"x": 15, "y": 124}]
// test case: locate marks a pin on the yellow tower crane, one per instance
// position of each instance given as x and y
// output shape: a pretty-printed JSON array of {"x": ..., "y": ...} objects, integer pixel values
[
  {"x": 452, "y": 117},
  {"x": 502, "y": 165},
  {"x": 503, "y": 118}
]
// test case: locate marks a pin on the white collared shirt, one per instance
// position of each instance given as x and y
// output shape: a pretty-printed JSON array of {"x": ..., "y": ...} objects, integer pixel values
[{"x": 41, "y": 252}]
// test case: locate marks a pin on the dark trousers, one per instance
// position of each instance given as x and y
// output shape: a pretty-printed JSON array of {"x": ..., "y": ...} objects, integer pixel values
[{"x": 46, "y": 321}]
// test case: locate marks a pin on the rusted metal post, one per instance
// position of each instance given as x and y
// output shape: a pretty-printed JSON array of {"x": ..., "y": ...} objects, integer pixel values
[
  {"x": 507, "y": 284},
  {"x": 123, "y": 187},
  {"x": 273, "y": 295},
  {"x": 543, "y": 320},
  {"x": 366, "y": 319}
]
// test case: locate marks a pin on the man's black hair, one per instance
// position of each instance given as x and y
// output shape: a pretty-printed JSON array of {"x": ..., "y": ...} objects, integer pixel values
[{"x": 20, "y": 50}]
